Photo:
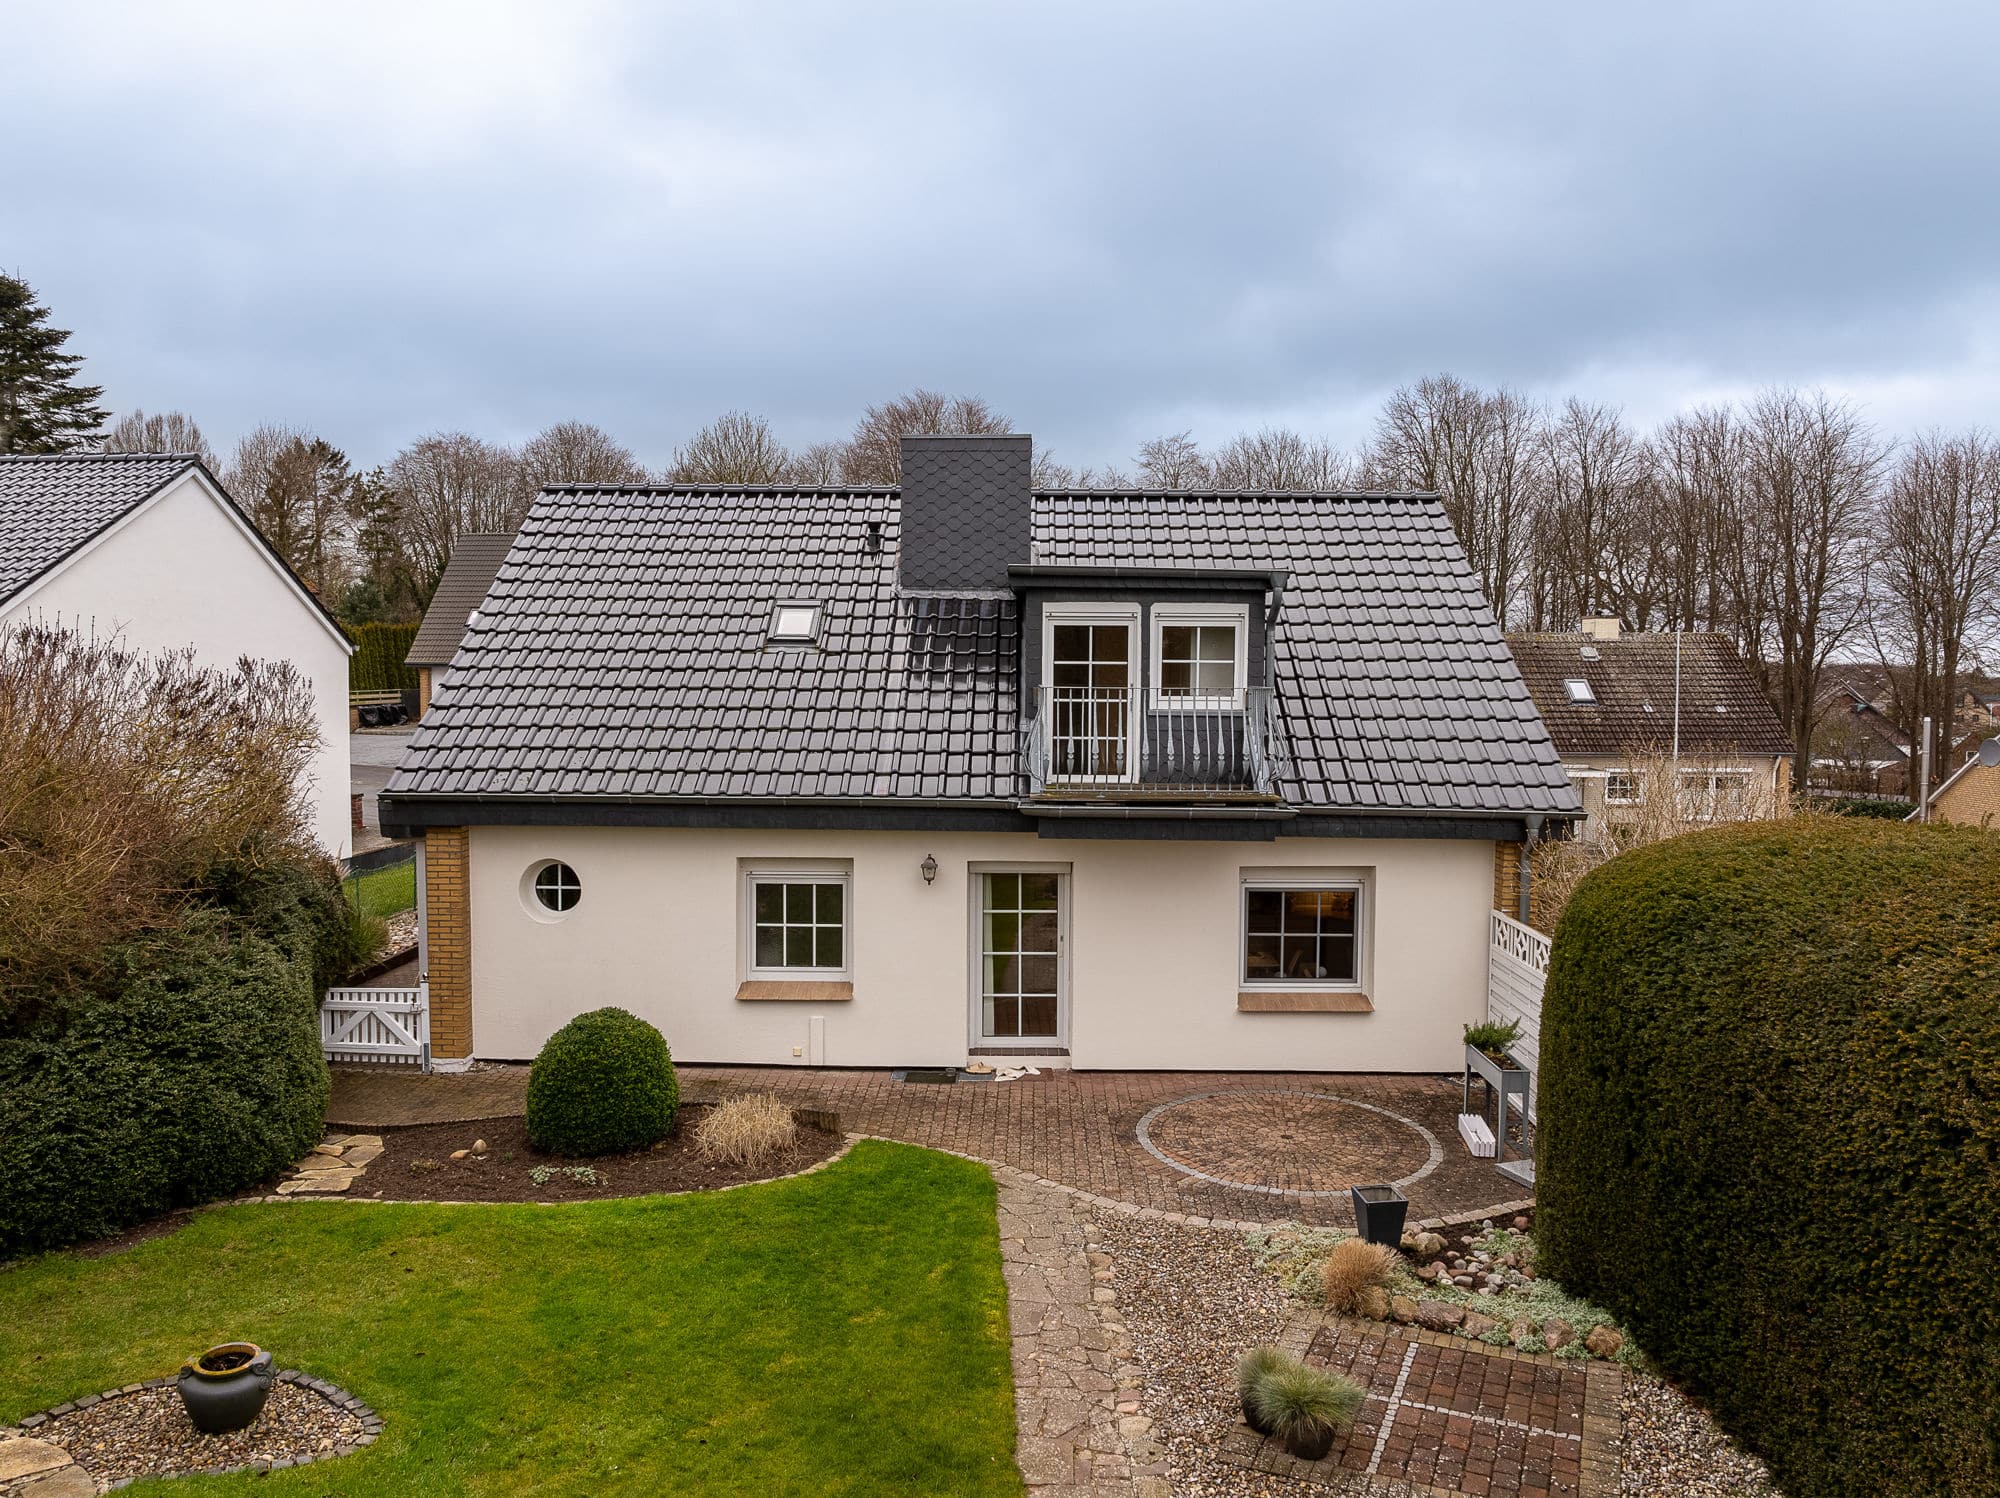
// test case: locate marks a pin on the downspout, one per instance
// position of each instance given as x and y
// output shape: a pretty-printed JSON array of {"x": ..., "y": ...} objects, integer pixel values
[{"x": 1528, "y": 842}]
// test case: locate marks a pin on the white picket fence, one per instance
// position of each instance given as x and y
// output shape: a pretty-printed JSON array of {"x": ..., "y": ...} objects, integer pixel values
[
  {"x": 1517, "y": 968},
  {"x": 376, "y": 1024}
]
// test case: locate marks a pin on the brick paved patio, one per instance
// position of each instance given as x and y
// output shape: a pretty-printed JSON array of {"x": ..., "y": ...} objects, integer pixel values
[{"x": 1243, "y": 1146}]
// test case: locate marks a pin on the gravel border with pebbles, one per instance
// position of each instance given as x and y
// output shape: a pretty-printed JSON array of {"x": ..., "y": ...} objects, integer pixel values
[
  {"x": 1193, "y": 1299},
  {"x": 142, "y": 1430},
  {"x": 1672, "y": 1446}
]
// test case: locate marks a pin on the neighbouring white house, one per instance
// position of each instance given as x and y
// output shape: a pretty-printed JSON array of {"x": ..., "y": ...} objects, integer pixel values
[
  {"x": 148, "y": 547},
  {"x": 1621, "y": 706},
  {"x": 960, "y": 769}
]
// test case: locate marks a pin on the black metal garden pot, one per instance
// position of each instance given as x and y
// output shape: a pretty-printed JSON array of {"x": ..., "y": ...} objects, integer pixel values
[
  {"x": 1379, "y": 1212},
  {"x": 1311, "y": 1443},
  {"x": 224, "y": 1389}
]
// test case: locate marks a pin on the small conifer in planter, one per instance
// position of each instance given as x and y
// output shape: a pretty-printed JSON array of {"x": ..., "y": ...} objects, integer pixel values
[{"x": 1494, "y": 1040}]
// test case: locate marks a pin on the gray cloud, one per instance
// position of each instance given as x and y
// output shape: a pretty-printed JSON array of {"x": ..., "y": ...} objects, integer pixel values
[{"x": 1110, "y": 219}]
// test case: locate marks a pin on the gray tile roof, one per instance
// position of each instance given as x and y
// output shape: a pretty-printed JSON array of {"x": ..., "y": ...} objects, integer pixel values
[
  {"x": 474, "y": 560},
  {"x": 52, "y": 505},
  {"x": 1723, "y": 709},
  {"x": 622, "y": 651}
]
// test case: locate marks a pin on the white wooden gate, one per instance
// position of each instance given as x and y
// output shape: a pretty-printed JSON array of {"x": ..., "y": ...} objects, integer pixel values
[
  {"x": 1517, "y": 969},
  {"x": 376, "y": 1024}
]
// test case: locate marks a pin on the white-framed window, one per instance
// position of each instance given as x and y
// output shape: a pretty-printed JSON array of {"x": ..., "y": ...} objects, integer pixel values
[
  {"x": 1715, "y": 795},
  {"x": 1303, "y": 932},
  {"x": 1200, "y": 655},
  {"x": 1579, "y": 689},
  {"x": 1090, "y": 666},
  {"x": 1621, "y": 788},
  {"x": 797, "y": 922},
  {"x": 550, "y": 889}
]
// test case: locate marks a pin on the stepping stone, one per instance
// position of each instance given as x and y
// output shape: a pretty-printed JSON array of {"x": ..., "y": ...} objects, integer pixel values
[
  {"x": 363, "y": 1139},
  {"x": 64, "y": 1482},
  {"x": 319, "y": 1183},
  {"x": 19, "y": 1458},
  {"x": 327, "y": 1149},
  {"x": 360, "y": 1154}
]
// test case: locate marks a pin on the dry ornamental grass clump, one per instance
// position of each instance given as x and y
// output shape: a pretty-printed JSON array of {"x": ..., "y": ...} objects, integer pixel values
[
  {"x": 749, "y": 1130},
  {"x": 1354, "y": 1265}
]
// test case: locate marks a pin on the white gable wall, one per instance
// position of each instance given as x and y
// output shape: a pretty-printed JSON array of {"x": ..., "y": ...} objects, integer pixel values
[{"x": 182, "y": 572}]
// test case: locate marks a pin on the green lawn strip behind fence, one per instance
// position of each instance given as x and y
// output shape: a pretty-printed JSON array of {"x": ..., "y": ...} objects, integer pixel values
[
  {"x": 841, "y": 1333},
  {"x": 384, "y": 892}
]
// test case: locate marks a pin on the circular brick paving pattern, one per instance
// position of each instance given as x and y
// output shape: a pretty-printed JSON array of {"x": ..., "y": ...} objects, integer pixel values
[{"x": 1288, "y": 1143}]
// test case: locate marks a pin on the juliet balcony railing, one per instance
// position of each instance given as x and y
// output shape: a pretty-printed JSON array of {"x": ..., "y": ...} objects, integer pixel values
[{"x": 1122, "y": 742}]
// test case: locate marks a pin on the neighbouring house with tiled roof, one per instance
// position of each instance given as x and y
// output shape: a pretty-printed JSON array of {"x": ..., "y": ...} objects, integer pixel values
[
  {"x": 1621, "y": 706},
  {"x": 1858, "y": 748},
  {"x": 960, "y": 769},
  {"x": 150, "y": 548},
  {"x": 475, "y": 559},
  {"x": 1970, "y": 792}
]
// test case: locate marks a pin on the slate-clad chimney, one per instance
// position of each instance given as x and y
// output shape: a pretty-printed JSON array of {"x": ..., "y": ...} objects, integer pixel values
[{"x": 967, "y": 511}]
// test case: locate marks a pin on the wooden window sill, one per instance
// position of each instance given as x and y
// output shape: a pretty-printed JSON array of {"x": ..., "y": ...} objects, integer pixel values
[
  {"x": 1281, "y": 1001},
  {"x": 803, "y": 992}
]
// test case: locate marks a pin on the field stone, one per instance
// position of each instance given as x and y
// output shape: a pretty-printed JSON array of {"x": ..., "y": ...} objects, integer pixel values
[
  {"x": 1604, "y": 1341},
  {"x": 1439, "y": 1315},
  {"x": 1476, "y": 1325},
  {"x": 1372, "y": 1301},
  {"x": 64, "y": 1482},
  {"x": 325, "y": 1149},
  {"x": 1557, "y": 1333},
  {"x": 1402, "y": 1308},
  {"x": 24, "y": 1455}
]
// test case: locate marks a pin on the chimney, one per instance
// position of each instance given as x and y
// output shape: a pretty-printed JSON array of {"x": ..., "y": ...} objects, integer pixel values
[
  {"x": 967, "y": 511},
  {"x": 1600, "y": 626}
]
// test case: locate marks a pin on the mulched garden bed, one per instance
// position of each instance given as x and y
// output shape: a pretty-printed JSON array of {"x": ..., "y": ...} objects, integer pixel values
[{"x": 416, "y": 1165}]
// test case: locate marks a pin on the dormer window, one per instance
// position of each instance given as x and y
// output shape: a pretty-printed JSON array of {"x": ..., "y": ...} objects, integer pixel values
[
  {"x": 1200, "y": 655},
  {"x": 795, "y": 624},
  {"x": 1579, "y": 690}
]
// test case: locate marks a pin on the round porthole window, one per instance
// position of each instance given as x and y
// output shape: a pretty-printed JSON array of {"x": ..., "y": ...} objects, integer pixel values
[{"x": 556, "y": 887}]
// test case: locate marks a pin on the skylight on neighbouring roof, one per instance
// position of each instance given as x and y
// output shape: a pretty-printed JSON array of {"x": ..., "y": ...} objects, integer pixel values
[
  {"x": 795, "y": 623},
  {"x": 1579, "y": 690}
]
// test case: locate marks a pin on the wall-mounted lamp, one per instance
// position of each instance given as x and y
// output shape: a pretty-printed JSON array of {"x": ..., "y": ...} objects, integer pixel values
[{"x": 930, "y": 869}]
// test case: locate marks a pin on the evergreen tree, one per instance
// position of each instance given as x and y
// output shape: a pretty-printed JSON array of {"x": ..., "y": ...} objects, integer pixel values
[{"x": 42, "y": 407}]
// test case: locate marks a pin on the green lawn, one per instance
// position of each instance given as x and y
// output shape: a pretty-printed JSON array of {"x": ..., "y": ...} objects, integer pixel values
[
  {"x": 844, "y": 1332},
  {"x": 384, "y": 892}
]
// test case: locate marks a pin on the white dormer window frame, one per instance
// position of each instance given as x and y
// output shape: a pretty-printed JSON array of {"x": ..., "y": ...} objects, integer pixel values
[
  {"x": 1207, "y": 619},
  {"x": 796, "y": 622}
]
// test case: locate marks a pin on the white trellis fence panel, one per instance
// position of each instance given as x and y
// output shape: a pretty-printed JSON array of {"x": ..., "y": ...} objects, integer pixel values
[
  {"x": 376, "y": 1024},
  {"x": 1517, "y": 968}
]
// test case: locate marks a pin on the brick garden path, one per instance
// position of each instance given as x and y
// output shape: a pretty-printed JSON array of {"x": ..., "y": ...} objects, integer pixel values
[{"x": 1235, "y": 1146}]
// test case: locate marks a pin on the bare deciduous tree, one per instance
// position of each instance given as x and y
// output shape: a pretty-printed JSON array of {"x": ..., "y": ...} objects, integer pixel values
[
  {"x": 1481, "y": 453},
  {"x": 1594, "y": 465},
  {"x": 1173, "y": 462},
  {"x": 1936, "y": 574},
  {"x": 162, "y": 432},
  {"x": 1813, "y": 470},
  {"x": 575, "y": 452},
  {"x": 735, "y": 448},
  {"x": 441, "y": 487},
  {"x": 1279, "y": 458},
  {"x": 297, "y": 489},
  {"x": 818, "y": 463},
  {"x": 874, "y": 454}
]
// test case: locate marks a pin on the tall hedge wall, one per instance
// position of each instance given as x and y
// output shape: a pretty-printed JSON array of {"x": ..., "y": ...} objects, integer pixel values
[
  {"x": 1770, "y": 1138},
  {"x": 196, "y": 1072},
  {"x": 377, "y": 662}
]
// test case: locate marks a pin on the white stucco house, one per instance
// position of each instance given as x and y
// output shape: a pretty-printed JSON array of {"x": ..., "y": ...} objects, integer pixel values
[
  {"x": 959, "y": 769},
  {"x": 150, "y": 548}
]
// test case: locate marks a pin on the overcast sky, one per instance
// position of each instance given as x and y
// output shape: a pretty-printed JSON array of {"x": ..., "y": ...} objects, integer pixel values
[{"x": 1111, "y": 220}]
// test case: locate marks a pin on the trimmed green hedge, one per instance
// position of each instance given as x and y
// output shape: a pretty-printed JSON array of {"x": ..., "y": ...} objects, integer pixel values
[
  {"x": 603, "y": 1083},
  {"x": 377, "y": 662},
  {"x": 196, "y": 1074},
  {"x": 1770, "y": 1138},
  {"x": 1856, "y": 806}
]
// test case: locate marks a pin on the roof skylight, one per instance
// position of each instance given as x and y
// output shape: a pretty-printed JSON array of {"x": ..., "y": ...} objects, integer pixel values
[
  {"x": 795, "y": 623},
  {"x": 1579, "y": 690}
]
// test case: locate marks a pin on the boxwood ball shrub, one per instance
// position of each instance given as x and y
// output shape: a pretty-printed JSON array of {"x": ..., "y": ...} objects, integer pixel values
[
  {"x": 604, "y": 1082},
  {"x": 1770, "y": 1137}
]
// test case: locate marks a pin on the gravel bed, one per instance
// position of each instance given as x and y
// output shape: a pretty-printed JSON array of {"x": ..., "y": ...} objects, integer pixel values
[
  {"x": 1672, "y": 1447},
  {"x": 1193, "y": 1301},
  {"x": 148, "y": 1434}
]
